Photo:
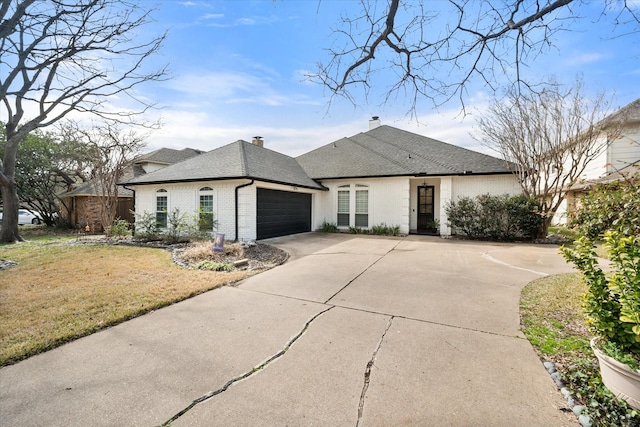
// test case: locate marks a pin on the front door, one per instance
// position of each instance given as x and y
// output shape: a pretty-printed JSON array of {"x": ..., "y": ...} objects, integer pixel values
[{"x": 425, "y": 208}]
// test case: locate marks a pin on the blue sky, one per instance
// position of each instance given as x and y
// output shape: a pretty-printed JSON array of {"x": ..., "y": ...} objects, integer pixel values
[{"x": 238, "y": 71}]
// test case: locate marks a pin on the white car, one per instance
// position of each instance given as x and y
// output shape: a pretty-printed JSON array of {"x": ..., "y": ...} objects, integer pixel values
[{"x": 26, "y": 217}]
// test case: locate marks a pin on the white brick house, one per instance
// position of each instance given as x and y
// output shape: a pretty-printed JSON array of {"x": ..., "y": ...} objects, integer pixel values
[
  {"x": 385, "y": 175},
  {"x": 619, "y": 158}
]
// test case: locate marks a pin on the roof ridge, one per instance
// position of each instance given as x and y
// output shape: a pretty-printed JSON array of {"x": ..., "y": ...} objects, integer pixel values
[
  {"x": 429, "y": 158},
  {"x": 243, "y": 157},
  {"x": 378, "y": 153}
]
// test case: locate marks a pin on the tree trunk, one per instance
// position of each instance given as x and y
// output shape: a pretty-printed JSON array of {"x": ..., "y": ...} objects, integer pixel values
[
  {"x": 544, "y": 227},
  {"x": 9, "y": 232}
]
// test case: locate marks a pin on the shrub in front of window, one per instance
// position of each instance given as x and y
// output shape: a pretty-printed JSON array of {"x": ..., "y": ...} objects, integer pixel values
[
  {"x": 146, "y": 226},
  {"x": 385, "y": 230},
  {"x": 494, "y": 217}
]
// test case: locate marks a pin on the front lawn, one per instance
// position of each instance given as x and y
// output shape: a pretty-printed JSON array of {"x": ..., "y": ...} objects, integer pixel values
[
  {"x": 552, "y": 320},
  {"x": 60, "y": 291}
]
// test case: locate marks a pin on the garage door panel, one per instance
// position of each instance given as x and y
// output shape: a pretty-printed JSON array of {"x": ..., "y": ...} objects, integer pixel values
[{"x": 280, "y": 213}]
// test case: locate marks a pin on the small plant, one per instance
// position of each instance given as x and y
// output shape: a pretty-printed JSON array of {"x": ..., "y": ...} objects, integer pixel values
[
  {"x": 358, "y": 230},
  {"x": 207, "y": 221},
  {"x": 435, "y": 224},
  {"x": 119, "y": 228},
  {"x": 214, "y": 266},
  {"x": 385, "y": 230},
  {"x": 329, "y": 227},
  {"x": 146, "y": 226}
]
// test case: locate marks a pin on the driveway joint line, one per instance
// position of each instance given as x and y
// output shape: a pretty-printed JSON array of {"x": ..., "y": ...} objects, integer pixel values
[
  {"x": 250, "y": 373},
  {"x": 332, "y": 305},
  {"x": 365, "y": 270},
  {"x": 367, "y": 373}
]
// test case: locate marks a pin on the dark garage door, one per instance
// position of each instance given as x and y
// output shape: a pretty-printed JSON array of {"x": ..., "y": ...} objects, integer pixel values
[{"x": 281, "y": 213}]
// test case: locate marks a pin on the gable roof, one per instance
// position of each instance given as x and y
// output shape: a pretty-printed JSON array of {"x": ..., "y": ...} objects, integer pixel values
[
  {"x": 167, "y": 156},
  {"x": 630, "y": 113},
  {"x": 238, "y": 160},
  {"x": 388, "y": 151}
]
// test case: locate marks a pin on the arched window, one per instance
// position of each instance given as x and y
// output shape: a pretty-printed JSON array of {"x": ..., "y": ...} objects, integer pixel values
[
  {"x": 362, "y": 206},
  {"x": 205, "y": 218},
  {"x": 162, "y": 205}
]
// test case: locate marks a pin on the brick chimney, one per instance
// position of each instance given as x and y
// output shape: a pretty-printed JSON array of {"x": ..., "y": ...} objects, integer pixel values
[
  {"x": 257, "y": 140},
  {"x": 374, "y": 122}
]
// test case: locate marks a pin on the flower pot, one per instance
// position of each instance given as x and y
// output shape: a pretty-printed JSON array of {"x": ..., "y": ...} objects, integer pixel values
[{"x": 621, "y": 380}]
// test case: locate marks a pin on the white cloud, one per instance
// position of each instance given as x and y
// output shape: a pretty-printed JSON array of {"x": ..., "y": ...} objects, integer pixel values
[
  {"x": 212, "y": 16},
  {"x": 235, "y": 88}
]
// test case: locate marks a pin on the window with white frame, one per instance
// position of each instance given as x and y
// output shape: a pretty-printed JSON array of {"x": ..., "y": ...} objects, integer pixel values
[
  {"x": 162, "y": 204},
  {"x": 343, "y": 208},
  {"x": 353, "y": 206},
  {"x": 362, "y": 208},
  {"x": 205, "y": 219}
]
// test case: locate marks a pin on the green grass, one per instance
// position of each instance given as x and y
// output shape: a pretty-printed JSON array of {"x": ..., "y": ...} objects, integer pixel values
[{"x": 553, "y": 321}]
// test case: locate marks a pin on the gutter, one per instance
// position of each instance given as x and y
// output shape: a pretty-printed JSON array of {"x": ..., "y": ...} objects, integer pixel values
[{"x": 236, "y": 204}]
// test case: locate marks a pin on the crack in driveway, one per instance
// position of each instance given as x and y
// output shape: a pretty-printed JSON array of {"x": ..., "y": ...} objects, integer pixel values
[
  {"x": 364, "y": 271},
  {"x": 367, "y": 373},
  {"x": 247, "y": 374}
]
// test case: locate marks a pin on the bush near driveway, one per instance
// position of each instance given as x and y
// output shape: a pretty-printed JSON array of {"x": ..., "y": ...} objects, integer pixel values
[
  {"x": 59, "y": 291},
  {"x": 552, "y": 319}
]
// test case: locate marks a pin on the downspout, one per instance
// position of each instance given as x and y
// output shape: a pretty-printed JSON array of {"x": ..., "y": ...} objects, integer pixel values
[
  {"x": 236, "y": 205},
  {"x": 133, "y": 226}
]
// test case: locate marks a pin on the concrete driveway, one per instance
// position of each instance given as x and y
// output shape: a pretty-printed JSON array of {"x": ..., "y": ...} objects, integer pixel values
[{"x": 351, "y": 331}]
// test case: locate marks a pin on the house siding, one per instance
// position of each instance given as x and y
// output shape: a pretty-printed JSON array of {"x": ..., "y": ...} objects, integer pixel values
[
  {"x": 472, "y": 186},
  {"x": 185, "y": 196},
  {"x": 388, "y": 202},
  {"x": 626, "y": 149}
]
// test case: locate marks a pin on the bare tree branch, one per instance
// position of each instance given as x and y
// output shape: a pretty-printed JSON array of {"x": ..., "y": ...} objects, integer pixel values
[
  {"x": 62, "y": 56},
  {"x": 437, "y": 50},
  {"x": 550, "y": 137}
]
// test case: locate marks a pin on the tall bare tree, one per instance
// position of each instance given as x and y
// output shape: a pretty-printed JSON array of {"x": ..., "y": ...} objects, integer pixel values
[
  {"x": 59, "y": 56},
  {"x": 110, "y": 150},
  {"x": 549, "y": 137},
  {"x": 434, "y": 50}
]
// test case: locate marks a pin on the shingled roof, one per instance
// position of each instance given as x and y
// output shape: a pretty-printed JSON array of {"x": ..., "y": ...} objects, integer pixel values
[
  {"x": 388, "y": 151},
  {"x": 168, "y": 156},
  {"x": 237, "y": 160}
]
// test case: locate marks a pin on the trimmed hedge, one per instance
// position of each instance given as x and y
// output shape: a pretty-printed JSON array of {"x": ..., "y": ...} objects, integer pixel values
[{"x": 488, "y": 217}]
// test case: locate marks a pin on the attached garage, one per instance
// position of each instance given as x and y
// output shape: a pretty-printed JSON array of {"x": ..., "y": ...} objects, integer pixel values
[{"x": 280, "y": 213}]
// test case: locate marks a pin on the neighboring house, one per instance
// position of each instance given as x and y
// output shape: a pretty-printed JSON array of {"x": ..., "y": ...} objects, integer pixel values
[
  {"x": 385, "y": 175},
  {"x": 620, "y": 158},
  {"x": 81, "y": 204}
]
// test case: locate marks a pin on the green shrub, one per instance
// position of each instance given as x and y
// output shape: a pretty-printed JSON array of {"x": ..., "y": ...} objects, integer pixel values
[
  {"x": 358, "y": 230},
  {"x": 214, "y": 266},
  {"x": 207, "y": 221},
  {"x": 329, "y": 227},
  {"x": 146, "y": 226},
  {"x": 119, "y": 228},
  {"x": 181, "y": 227},
  {"x": 613, "y": 206},
  {"x": 612, "y": 301},
  {"x": 494, "y": 217},
  {"x": 385, "y": 230}
]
